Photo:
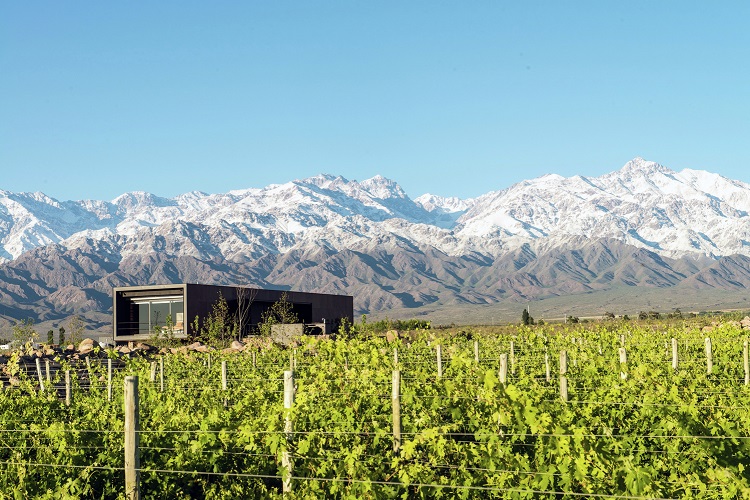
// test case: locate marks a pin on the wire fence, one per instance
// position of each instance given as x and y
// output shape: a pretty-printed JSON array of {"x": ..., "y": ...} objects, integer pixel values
[{"x": 235, "y": 389}]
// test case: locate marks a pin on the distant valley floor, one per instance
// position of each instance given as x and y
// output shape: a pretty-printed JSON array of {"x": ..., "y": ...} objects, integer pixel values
[{"x": 619, "y": 301}]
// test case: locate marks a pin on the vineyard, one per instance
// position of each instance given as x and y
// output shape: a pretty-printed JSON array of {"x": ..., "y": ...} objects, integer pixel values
[{"x": 634, "y": 412}]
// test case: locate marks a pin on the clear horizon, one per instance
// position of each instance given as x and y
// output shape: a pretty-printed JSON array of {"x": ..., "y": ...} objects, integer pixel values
[{"x": 101, "y": 99}]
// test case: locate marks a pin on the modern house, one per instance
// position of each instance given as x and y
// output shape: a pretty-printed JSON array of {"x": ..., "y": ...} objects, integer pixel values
[{"x": 139, "y": 311}]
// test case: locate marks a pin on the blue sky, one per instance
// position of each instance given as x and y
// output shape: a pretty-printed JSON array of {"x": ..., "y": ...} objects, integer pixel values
[{"x": 453, "y": 98}]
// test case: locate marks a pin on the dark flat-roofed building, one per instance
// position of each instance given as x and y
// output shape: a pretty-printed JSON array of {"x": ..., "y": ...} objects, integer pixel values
[{"x": 139, "y": 311}]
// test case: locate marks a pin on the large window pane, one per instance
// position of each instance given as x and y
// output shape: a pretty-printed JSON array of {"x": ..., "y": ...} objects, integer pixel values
[
  {"x": 178, "y": 315},
  {"x": 159, "y": 313},
  {"x": 176, "y": 308},
  {"x": 143, "y": 317}
]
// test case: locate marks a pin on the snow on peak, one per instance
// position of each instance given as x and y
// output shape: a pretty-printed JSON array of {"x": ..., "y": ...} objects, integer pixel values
[
  {"x": 326, "y": 181},
  {"x": 641, "y": 167},
  {"x": 643, "y": 203},
  {"x": 192, "y": 195},
  {"x": 136, "y": 199},
  {"x": 442, "y": 204},
  {"x": 383, "y": 188}
]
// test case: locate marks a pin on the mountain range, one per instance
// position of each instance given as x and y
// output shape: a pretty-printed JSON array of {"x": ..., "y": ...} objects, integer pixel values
[{"x": 643, "y": 225}]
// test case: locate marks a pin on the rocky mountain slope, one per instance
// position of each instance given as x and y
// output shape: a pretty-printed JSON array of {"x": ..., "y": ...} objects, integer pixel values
[{"x": 643, "y": 225}]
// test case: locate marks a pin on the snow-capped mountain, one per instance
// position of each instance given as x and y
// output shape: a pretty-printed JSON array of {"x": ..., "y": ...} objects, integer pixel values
[
  {"x": 643, "y": 204},
  {"x": 369, "y": 237}
]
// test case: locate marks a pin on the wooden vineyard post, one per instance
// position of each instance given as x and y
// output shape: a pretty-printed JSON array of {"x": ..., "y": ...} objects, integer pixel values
[
  {"x": 546, "y": 366},
  {"x": 39, "y": 374},
  {"x": 395, "y": 358},
  {"x": 286, "y": 456},
  {"x": 622, "y": 340},
  {"x": 109, "y": 379},
  {"x": 623, "y": 363},
  {"x": 294, "y": 360},
  {"x": 396, "y": 403},
  {"x": 439, "y": 354},
  {"x": 254, "y": 360},
  {"x": 153, "y": 372},
  {"x": 746, "y": 362},
  {"x": 512, "y": 358},
  {"x": 476, "y": 351},
  {"x": 132, "y": 438},
  {"x": 563, "y": 378},
  {"x": 67, "y": 388},
  {"x": 209, "y": 361},
  {"x": 709, "y": 357},
  {"x": 48, "y": 372},
  {"x": 224, "y": 379},
  {"x": 161, "y": 374},
  {"x": 674, "y": 354},
  {"x": 503, "y": 372}
]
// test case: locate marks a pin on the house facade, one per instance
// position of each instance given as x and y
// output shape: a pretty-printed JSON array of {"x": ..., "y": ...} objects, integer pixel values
[{"x": 141, "y": 311}]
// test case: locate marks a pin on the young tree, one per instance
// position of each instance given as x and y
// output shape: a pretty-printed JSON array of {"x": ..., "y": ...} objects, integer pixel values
[
  {"x": 346, "y": 330},
  {"x": 526, "y": 318},
  {"x": 61, "y": 330},
  {"x": 77, "y": 329},
  {"x": 164, "y": 336},
  {"x": 245, "y": 298},
  {"x": 23, "y": 331},
  {"x": 280, "y": 312},
  {"x": 676, "y": 313},
  {"x": 218, "y": 327},
  {"x": 50, "y": 336}
]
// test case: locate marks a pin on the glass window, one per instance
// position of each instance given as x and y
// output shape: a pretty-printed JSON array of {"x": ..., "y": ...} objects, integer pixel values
[
  {"x": 178, "y": 316},
  {"x": 143, "y": 318},
  {"x": 176, "y": 308},
  {"x": 159, "y": 313},
  {"x": 153, "y": 314}
]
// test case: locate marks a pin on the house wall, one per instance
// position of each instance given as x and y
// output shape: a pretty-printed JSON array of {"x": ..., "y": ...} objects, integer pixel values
[{"x": 200, "y": 299}]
